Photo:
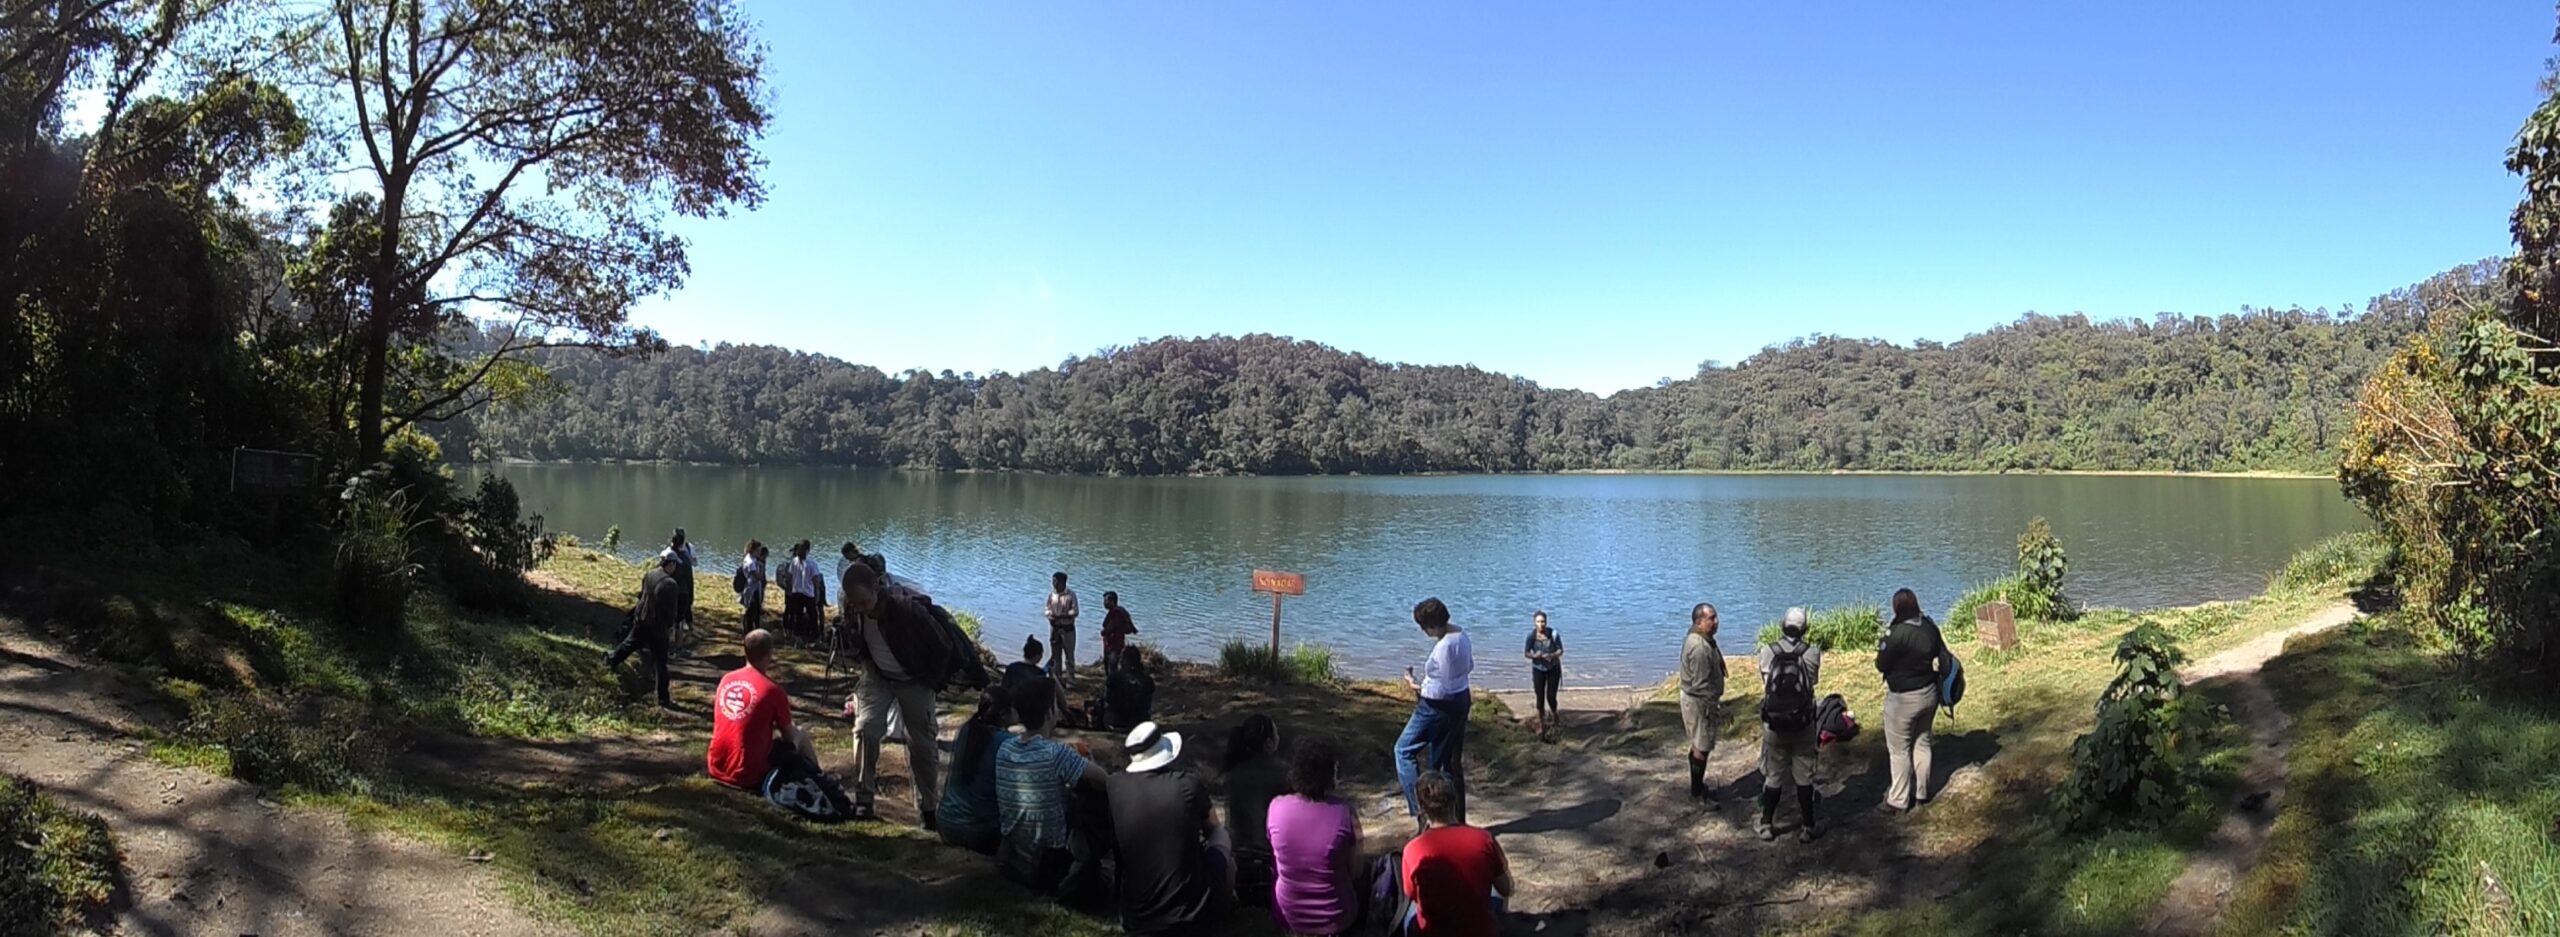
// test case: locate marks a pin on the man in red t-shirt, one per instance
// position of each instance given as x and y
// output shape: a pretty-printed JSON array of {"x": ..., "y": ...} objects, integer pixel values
[
  {"x": 1455, "y": 873},
  {"x": 751, "y": 723}
]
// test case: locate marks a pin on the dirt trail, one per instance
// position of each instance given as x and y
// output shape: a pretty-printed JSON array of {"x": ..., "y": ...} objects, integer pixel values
[
  {"x": 2197, "y": 897},
  {"x": 207, "y": 855}
]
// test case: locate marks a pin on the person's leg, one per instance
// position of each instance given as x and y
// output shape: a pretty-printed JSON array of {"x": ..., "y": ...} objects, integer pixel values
[
  {"x": 658, "y": 651},
  {"x": 1411, "y": 748},
  {"x": 1920, "y": 740},
  {"x": 1773, "y": 779},
  {"x": 805, "y": 747},
  {"x": 624, "y": 643},
  {"x": 871, "y": 701},
  {"x": 1068, "y": 655},
  {"x": 924, "y": 751},
  {"x": 1056, "y": 649},
  {"x": 1451, "y": 752},
  {"x": 1897, "y": 750}
]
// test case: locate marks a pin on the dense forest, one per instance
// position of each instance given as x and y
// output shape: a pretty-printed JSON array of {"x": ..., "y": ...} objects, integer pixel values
[{"x": 2255, "y": 390}]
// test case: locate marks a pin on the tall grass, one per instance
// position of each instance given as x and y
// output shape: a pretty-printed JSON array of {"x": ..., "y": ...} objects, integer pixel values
[
  {"x": 2333, "y": 562},
  {"x": 2029, "y": 602},
  {"x": 1310, "y": 664},
  {"x": 57, "y": 865},
  {"x": 1851, "y": 626}
]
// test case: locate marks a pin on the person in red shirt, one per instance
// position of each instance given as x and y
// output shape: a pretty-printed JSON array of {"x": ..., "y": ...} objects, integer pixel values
[
  {"x": 752, "y": 738},
  {"x": 1116, "y": 629},
  {"x": 1455, "y": 874}
]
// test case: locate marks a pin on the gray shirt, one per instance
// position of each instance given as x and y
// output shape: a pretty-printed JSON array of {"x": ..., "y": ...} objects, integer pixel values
[
  {"x": 1812, "y": 659},
  {"x": 1701, "y": 667}
]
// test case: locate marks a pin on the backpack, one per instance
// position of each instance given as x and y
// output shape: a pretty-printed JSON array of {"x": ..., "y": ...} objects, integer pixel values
[
  {"x": 738, "y": 580},
  {"x": 1837, "y": 722},
  {"x": 1788, "y": 705},
  {"x": 1951, "y": 684}
]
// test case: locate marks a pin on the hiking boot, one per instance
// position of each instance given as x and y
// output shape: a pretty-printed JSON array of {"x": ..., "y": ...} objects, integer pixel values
[{"x": 1808, "y": 833}]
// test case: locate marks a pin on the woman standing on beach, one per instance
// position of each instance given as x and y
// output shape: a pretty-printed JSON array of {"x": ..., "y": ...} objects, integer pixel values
[
  {"x": 1545, "y": 651},
  {"x": 1435, "y": 739}
]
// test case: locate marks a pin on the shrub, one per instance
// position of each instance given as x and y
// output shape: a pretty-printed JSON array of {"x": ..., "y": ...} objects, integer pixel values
[
  {"x": 2040, "y": 559},
  {"x": 2137, "y": 767},
  {"x": 969, "y": 624},
  {"x": 1854, "y": 627},
  {"x": 317, "y": 744},
  {"x": 613, "y": 538},
  {"x": 375, "y": 566},
  {"x": 1311, "y": 664},
  {"x": 2029, "y": 603},
  {"x": 492, "y": 524},
  {"x": 2338, "y": 561},
  {"x": 1251, "y": 660},
  {"x": 57, "y": 865}
]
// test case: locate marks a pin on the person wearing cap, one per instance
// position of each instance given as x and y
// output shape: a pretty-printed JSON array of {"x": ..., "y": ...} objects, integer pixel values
[
  {"x": 1038, "y": 783},
  {"x": 1177, "y": 862},
  {"x": 651, "y": 620},
  {"x": 1790, "y": 735}
]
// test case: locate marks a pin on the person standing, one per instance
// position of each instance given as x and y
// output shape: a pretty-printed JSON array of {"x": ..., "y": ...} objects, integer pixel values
[
  {"x": 806, "y": 602},
  {"x": 682, "y": 551},
  {"x": 750, "y": 582},
  {"x": 1790, "y": 735},
  {"x": 1455, "y": 874},
  {"x": 1435, "y": 738},
  {"x": 651, "y": 620},
  {"x": 904, "y": 662},
  {"x": 1177, "y": 868},
  {"x": 1701, "y": 696},
  {"x": 1116, "y": 629},
  {"x": 1909, "y": 658},
  {"x": 1545, "y": 651},
  {"x": 1062, "y": 611}
]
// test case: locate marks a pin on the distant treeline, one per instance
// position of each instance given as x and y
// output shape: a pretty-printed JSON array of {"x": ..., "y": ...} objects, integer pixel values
[{"x": 2256, "y": 390}]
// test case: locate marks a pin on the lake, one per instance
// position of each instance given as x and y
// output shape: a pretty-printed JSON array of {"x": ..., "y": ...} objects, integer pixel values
[{"x": 1615, "y": 560}]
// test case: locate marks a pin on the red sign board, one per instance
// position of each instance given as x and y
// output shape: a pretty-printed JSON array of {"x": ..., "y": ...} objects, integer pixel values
[{"x": 1279, "y": 583}]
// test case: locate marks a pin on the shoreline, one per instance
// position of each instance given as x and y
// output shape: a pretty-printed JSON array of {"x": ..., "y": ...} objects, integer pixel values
[{"x": 2277, "y": 474}]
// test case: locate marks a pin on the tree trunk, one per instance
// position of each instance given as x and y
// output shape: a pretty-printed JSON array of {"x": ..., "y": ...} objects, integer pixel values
[{"x": 381, "y": 322}]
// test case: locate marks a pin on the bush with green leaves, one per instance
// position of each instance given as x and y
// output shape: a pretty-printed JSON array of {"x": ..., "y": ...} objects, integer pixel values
[
  {"x": 314, "y": 743},
  {"x": 613, "y": 538},
  {"x": 493, "y": 524},
  {"x": 1853, "y": 627},
  {"x": 57, "y": 865},
  {"x": 2041, "y": 562},
  {"x": 376, "y": 567},
  {"x": 2138, "y": 767},
  {"x": 2029, "y": 602}
]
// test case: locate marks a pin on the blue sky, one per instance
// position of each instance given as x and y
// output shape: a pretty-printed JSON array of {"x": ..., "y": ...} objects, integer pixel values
[{"x": 1593, "y": 195}]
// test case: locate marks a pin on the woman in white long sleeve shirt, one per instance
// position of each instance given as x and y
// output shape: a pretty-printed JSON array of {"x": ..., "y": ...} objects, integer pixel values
[{"x": 1435, "y": 739}]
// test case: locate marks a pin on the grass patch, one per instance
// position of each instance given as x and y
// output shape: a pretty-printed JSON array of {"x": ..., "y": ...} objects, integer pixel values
[
  {"x": 2429, "y": 800},
  {"x": 1847, "y": 629},
  {"x": 2341, "y": 560},
  {"x": 57, "y": 865},
  {"x": 1308, "y": 664}
]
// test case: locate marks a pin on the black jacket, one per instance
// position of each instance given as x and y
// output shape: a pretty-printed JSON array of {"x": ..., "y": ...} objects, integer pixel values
[
  {"x": 914, "y": 637},
  {"x": 1908, "y": 656},
  {"x": 661, "y": 601}
]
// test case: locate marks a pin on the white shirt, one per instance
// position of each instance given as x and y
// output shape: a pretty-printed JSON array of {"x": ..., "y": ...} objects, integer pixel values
[
  {"x": 1062, "y": 606},
  {"x": 1444, "y": 673},
  {"x": 753, "y": 594},
  {"x": 804, "y": 577}
]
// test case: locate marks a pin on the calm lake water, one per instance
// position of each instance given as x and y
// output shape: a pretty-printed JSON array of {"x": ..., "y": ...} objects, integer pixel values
[{"x": 1615, "y": 560}]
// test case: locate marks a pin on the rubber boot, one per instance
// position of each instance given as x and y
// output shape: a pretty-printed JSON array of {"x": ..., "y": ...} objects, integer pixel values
[
  {"x": 1698, "y": 782},
  {"x": 1768, "y": 825},
  {"x": 1810, "y": 801}
]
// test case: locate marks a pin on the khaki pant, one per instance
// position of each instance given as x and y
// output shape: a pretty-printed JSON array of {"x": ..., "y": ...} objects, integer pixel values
[
  {"x": 873, "y": 700},
  {"x": 1704, "y": 720},
  {"x": 1787, "y": 758},
  {"x": 1907, "y": 718}
]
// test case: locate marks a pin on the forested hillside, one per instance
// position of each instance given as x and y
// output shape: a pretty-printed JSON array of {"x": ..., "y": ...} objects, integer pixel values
[{"x": 2260, "y": 389}]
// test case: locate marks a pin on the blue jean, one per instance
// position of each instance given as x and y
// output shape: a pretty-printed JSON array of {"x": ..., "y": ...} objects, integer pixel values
[{"x": 1434, "y": 739}]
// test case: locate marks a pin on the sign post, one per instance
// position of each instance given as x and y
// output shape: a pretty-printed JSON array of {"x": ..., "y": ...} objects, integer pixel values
[{"x": 1278, "y": 584}]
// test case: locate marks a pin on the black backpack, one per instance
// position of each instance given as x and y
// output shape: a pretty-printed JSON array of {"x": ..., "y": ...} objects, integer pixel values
[{"x": 1788, "y": 706}]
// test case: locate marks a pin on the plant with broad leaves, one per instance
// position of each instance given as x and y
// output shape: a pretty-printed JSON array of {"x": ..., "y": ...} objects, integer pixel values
[{"x": 2140, "y": 763}]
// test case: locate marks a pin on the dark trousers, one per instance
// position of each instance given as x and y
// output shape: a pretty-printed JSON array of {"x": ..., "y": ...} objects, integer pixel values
[
  {"x": 753, "y": 617},
  {"x": 651, "y": 641},
  {"x": 1543, "y": 684}
]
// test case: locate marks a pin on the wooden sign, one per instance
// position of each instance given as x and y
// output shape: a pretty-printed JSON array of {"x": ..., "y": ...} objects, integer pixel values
[
  {"x": 266, "y": 472},
  {"x": 1279, "y": 583},
  {"x": 1997, "y": 624}
]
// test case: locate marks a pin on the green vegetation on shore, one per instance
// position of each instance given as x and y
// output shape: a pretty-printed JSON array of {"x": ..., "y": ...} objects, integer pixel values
[
  {"x": 2262, "y": 390},
  {"x": 57, "y": 865}
]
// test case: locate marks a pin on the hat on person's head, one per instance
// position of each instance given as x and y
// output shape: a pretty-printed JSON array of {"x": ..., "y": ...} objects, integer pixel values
[
  {"x": 1795, "y": 621},
  {"x": 1150, "y": 747}
]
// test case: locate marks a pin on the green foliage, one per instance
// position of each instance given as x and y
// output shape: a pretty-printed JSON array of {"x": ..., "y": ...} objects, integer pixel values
[
  {"x": 2028, "y": 602},
  {"x": 376, "y": 566},
  {"x": 492, "y": 523},
  {"x": 2139, "y": 765},
  {"x": 312, "y": 743},
  {"x": 613, "y": 538},
  {"x": 969, "y": 624},
  {"x": 2040, "y": 560},
  {"x": 2343, "y": 560},
  {"x": 57, "y": 865},
  {"x": 1855, "y": 627},
  {"x": 2263, "y": 389},
  {"x": 1308, "y": 664}
]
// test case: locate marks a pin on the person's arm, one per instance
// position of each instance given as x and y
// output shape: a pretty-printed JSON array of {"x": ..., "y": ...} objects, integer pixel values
[
  {"x": 1556, "y": 654},
  {"x": 1529, "y": 648},
  {"x": 1502, "y": 884},
  {"x": 1884, "y": 651}
]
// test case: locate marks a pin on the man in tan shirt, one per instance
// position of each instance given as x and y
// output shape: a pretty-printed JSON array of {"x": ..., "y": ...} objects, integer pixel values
[{"x": 1701, "y": 696}]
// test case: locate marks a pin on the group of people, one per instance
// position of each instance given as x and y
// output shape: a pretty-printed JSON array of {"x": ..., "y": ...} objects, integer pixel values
[{"x": 1152, "y": 839}]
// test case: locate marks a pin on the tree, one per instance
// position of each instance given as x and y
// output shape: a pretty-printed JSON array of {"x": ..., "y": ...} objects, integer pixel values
[{"x": 520, "y": 159}]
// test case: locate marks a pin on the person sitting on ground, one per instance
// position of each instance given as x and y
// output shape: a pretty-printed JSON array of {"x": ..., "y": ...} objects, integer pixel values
[
  {"x": 1116, "y": 629},
  {"x": 1315, "y": 846},
  {"x": 1455, "y": 874},
  {"x": 1177, "y": 864},
  {"x": 968, "y": 814},
  {"x": 1790, "y": 736},
  {"x": 1129, "y": 694},
  {"x": 652, "y": 623},
  {"x": 904, "y": 662},
  {"x": 1255, "y": 776},
  {"x": 1037, "y": 780},
  {"x": 1701, "y": 696},
  {"x": 1028, "y": 668},
  {"x": 754, "y": 746}
]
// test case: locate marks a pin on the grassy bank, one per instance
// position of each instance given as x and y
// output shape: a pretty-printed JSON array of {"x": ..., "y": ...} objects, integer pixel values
[
  {"x": 2021, "y": 870},
  {"x": 58, "y": 866},
  {"x": 2438, "y": 802}
]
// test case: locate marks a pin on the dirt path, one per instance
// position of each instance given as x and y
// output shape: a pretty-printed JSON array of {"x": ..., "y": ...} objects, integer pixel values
[
  {"x": 2196, "y": 898},
  {"x": 207, "y": 855}
]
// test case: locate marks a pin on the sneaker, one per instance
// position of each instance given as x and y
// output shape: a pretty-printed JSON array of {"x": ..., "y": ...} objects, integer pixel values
[
  {"x": 1808, "y": 833},
  {"x": 1767, "y": 832},
  {"x": 1888, "y": 810},
  {"x": 864, "y": 812}
]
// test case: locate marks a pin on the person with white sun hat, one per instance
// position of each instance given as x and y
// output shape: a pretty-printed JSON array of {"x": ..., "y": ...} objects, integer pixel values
[{"x": 1177, "y": 861}]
